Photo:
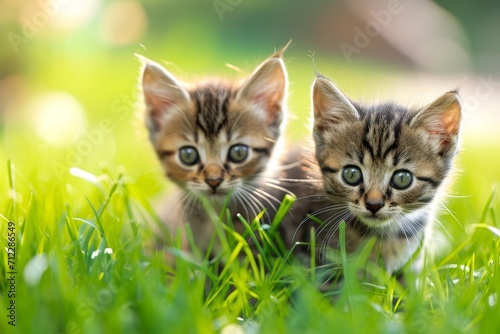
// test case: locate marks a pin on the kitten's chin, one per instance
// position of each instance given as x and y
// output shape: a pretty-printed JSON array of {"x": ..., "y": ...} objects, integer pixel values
[
  {"x": 374, "y": 220},
  {"x": 216, "y": 195}
]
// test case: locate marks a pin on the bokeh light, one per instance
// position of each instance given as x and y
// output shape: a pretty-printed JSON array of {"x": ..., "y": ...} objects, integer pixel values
[
  {"x": 58, "y": 117},
  {"x": 123, "y": 22},
  {"x": 75, "y": 13}
]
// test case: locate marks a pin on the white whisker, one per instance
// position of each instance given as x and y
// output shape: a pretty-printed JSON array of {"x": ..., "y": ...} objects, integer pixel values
[
  {"x": 251, "y": 205},
  {"x": 280, "y": 188},
  {"x": 242, "y": 203},
  {"x": 262, "y": 196},
  {"x": 451, "y": 214},
  {"x": 314, "y": 214},
  {"x": 258, "y": 205}
]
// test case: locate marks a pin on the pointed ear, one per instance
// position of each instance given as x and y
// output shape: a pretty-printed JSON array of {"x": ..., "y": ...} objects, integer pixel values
[
  {"x": 162, "y": 91},
  {"x": 441, "y": 119},
  {"x": 267, "y": 87},
  {"x": 330, "y": 105}
]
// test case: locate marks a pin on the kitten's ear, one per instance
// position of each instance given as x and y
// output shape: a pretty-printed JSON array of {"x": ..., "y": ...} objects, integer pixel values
[
  {"x": 267, "y": 87},
  {"x": 161, "y": 92},
  {"x": 441, "y": 118},
  {"x": 330, "y": 105}
]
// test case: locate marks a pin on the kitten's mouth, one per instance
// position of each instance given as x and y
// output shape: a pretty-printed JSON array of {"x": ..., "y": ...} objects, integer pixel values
[
  {"x": 374, "y": 220},
  {"x": 217, "y": 193}
]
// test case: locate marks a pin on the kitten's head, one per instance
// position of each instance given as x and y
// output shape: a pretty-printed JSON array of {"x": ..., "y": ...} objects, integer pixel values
[
  {"x": 214, "y": 135},
  {"x": 385, "y": 163}
]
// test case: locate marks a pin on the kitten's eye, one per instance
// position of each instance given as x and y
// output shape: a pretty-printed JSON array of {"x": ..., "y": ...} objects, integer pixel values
[
  {"x": 238, "y": 153},
  {"x": 401, "y": 179},
  {"x": 188, "y": 155},
  {"x": 352, "y": 175}
]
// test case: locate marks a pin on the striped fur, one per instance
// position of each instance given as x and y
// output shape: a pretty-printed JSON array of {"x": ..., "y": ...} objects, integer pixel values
[{"x": 386, "y": 143}]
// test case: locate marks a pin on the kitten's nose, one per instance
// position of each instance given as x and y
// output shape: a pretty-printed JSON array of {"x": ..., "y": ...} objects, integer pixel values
[
  {"x": 214, "y": 183},
  {"x": 373, "y": 205}
]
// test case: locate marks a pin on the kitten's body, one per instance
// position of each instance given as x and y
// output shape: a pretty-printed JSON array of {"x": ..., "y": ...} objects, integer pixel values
[
  {"x": 216, "y": 138},
  {"x": 383, "y": 170},
  {"x": 381, "y": 140}
]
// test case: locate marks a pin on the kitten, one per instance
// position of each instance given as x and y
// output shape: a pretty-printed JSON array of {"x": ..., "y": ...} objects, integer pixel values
[
  {"x": 216, "y": 137},
  {"x": 384, "y": 168}
]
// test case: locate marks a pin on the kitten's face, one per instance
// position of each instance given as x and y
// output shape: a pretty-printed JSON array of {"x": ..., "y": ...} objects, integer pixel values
[
  {"x": 215, "y": 136},
  {"x": 385, "y": 163}
]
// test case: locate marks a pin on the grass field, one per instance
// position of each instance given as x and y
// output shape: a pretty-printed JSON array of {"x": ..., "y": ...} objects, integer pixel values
[
  {"x": 80, "y": 217},
  {"x": 67, "y": 281}
]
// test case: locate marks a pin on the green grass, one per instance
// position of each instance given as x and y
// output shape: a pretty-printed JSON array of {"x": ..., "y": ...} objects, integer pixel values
[
  {"x": 62, "y": 288},
  {"x": 63, "y": 216}
]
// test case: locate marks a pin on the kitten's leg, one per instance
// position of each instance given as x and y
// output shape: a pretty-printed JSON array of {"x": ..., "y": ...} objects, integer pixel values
[
  {"x": 171, "y": 213},
  {"x": 398, "y": 250}
]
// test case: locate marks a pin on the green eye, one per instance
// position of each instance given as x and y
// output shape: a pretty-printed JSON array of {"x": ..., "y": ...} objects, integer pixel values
[
  {"x": 352, "y": 175},
  {"x": 238, "y": 153},
  {"x": 188, "y": 155},
  {"x": 401, "y": 179}
]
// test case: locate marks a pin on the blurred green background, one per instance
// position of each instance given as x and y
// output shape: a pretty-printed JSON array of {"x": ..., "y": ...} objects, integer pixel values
[{"x": 69, "y": 77}]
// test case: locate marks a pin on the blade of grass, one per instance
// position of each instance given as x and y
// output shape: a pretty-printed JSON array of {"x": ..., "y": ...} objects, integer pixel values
[
  {"x": 69, "y": 218},
  {"x": 110, "y": 195},
  {"x": 488, "y": 205},
  {"x": 285, "y": 206},
  {"x": 89, "y": 177},
  {"x": 312, "y": 234},
  {"x": 91, "y": 223}
]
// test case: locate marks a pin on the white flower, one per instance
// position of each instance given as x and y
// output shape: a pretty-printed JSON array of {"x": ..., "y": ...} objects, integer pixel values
[{"x": 106, "y": 251}]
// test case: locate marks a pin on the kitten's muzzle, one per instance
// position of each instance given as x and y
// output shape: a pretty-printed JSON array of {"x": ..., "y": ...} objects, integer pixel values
[
  {"x": 214, "y": 182},
  {"x": 374, "y": 205},
  {"x": 374, "y": 200},
  {"x": 213, "y": 175}
]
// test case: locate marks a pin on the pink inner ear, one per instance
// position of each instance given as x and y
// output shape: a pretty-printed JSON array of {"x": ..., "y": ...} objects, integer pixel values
[
  {"x": 157, "y": 106},
  {"x": 451, "y": 121},
  {"x": 447, "y": 127},
  {"x": 270, "y": 99},
  {"x": 319, "y": 104},
  {"x": 270, "y": 102},
  {"x": 446, "y": 124},
  {"x": 322, "y": 105},
  {"x": 159, "y": 102}
]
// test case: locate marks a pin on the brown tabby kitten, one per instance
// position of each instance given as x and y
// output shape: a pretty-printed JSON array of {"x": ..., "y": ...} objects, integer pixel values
[
  {"x": 384, "y": 168},
  {"x": 214, "y": 137}
]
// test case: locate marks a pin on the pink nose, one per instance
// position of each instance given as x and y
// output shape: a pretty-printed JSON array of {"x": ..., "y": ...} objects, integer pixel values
[
  {"x": 214, "y": 183},
  {"x": 374, "y": 205}
]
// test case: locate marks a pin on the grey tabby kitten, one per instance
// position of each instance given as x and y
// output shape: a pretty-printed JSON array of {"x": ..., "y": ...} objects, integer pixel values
[
  {"x": 383, "y": 167},
  {"x": 214, "y": 137}
]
